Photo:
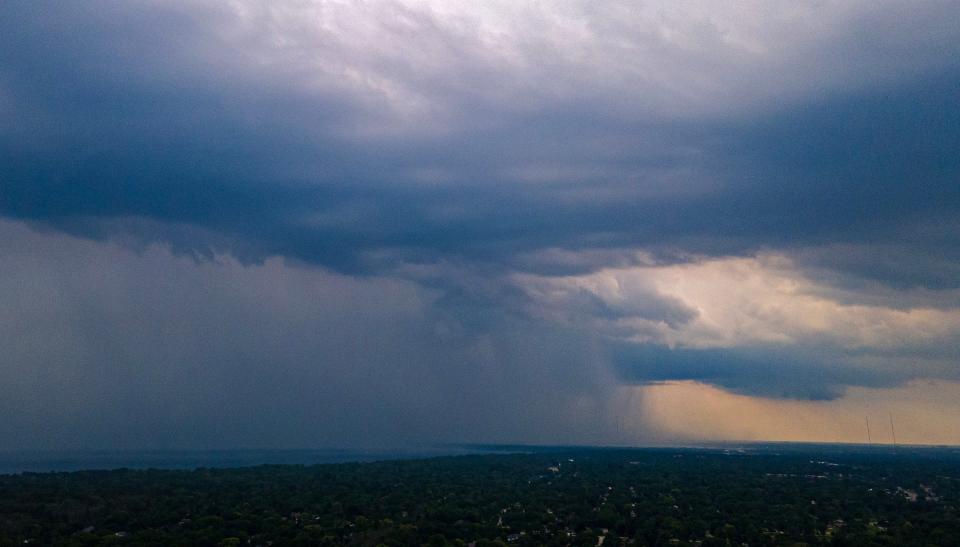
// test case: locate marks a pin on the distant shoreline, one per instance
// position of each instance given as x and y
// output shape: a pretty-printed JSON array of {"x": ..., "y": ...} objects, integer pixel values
[{"x": 47, "y": 461}]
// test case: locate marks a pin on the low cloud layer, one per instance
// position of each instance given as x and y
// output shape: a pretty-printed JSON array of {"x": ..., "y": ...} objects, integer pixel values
[{"x": 234, "y": 223}]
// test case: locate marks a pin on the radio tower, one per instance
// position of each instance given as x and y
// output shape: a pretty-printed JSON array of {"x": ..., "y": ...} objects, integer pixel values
[{"x": 893, "y": 432}]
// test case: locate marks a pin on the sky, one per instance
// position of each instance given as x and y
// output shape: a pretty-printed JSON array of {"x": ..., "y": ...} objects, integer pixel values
[{"x": 313, "y": 223}]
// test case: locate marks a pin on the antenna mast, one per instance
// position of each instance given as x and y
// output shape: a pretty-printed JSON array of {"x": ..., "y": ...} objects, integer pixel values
[{"x": 893, "y": 432}]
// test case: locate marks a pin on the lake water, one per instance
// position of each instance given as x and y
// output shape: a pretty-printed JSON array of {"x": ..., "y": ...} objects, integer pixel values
[{"x": 46, "y": 461}]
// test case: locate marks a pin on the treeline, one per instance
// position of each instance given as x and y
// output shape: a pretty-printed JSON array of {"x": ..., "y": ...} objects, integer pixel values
[{"x": 580, "y": 497}]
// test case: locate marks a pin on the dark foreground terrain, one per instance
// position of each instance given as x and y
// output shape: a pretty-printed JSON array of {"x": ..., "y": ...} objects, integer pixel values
[{"x": 771, "y": 496}]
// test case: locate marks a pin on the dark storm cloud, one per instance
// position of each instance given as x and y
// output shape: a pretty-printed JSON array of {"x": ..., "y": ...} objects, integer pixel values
[
  {"x": 754, "y": 371},
  {"x": 403, "y": 145},
  {"x": 821, "y": 373},
  {"x": 145, "y": 111}
]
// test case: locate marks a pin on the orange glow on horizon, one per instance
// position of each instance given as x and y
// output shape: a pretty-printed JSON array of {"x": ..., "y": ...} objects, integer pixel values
[{"x": 923, "y": 412}]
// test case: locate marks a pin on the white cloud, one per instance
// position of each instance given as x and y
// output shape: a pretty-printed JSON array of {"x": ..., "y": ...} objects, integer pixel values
[
  {"x": 431, "y": 65},
  {"x": 738, "y": 302}
]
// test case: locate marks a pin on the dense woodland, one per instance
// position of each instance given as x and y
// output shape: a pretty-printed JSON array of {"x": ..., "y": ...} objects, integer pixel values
[{"x": 562, "y": 497}]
